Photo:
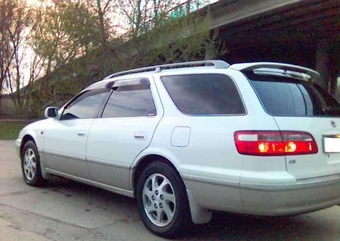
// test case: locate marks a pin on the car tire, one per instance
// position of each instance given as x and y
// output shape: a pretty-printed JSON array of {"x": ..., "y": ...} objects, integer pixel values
[
  {"x": 30, "y": 165},
  {"x": 162, "y": 201}
]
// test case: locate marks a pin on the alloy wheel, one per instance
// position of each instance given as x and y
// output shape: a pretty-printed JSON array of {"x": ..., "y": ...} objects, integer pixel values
[{"x": 159, "y": 200}]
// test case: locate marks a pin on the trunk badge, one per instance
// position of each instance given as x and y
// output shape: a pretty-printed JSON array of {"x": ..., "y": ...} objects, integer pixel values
[{"x": 333, "y": 124}]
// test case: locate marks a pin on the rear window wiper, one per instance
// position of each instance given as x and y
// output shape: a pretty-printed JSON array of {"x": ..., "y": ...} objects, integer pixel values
[{"x": 331, "y": 110}]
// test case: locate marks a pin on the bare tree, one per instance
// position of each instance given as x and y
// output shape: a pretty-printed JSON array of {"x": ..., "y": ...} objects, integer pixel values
[
  {"x": 169, "y": 31},
  {"x": 142, "y": 15},
  {"x": 18, "y": 66},
  {"x": 106, "y": 13},
  {"x": 6, "y": 53}
]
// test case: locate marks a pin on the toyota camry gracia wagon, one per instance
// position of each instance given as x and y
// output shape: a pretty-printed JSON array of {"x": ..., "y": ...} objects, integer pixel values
[{"x": 188, "y": 138}]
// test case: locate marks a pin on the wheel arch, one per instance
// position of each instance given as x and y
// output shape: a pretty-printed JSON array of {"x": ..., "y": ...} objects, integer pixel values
[
  {"x": 144, "y": 162},
  {"x": 198, "y": 215},
  {"x": 25, "y": 139}
]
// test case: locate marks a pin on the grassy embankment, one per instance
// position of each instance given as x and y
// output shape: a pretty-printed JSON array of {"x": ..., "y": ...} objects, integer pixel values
[{"x": 9, "y": 130}]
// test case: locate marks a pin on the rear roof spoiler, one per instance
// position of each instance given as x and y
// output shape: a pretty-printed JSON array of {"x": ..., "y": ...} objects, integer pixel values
[{"x": 278, "y": 69}]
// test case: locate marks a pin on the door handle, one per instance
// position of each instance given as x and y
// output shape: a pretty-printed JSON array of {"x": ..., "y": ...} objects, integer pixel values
[
  {"x": 81, "y": 133},
  {"x": 140, "y": 135}
]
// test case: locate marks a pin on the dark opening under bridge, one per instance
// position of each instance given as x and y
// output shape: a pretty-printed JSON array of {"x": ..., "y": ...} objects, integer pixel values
[{"x": 303, "y": 32}]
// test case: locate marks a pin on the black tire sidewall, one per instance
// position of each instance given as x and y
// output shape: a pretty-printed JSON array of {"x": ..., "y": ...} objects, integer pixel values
[
  {"x": 37, "y": 179},
  {"x": 180, "y": 219}
]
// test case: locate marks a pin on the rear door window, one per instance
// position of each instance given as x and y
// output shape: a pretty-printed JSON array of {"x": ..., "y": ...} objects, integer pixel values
[
  {"x": 287, "y": 97},
  {"x": 204, "y": 94}
]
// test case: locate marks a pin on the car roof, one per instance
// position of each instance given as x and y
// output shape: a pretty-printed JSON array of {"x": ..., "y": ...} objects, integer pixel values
[{"x": 258, "y": 68}]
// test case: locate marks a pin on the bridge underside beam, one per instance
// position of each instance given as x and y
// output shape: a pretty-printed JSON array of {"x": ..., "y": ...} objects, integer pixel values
[{"x": 300, "y": 32}]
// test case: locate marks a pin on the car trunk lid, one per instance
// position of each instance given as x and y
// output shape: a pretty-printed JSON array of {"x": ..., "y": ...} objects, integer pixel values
[
  {"x": 287, "y": 93},
  {"x": 326, "y": 133}
]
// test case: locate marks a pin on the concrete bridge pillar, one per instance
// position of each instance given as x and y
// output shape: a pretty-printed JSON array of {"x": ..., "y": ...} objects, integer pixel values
[
  {"x": 322, "y": 63},
  {"x": 327, "y": 64}
]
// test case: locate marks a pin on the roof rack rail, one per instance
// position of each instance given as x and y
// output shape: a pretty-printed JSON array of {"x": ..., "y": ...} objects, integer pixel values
[{"x": 218, "y": 64}]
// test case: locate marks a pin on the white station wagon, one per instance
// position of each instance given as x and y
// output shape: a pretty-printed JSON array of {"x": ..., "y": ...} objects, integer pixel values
[{"x": 185, "y": 139}]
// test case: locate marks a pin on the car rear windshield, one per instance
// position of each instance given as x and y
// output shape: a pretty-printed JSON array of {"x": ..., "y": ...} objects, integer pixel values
[
  {"x": 282, "y": 96},
  {"x": 204, "y": 94}
]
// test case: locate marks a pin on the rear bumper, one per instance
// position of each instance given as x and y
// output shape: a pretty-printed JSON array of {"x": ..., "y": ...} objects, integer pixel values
[
  {"x": 304, "y": 196},
  {"x": 265, "y": 200}
]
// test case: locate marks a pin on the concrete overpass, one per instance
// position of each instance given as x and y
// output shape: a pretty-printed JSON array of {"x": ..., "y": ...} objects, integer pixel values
[{"x": 304, "y": 32}]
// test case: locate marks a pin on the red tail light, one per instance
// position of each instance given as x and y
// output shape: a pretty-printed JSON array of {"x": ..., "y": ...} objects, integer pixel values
[{"x": 274, "y": 143}]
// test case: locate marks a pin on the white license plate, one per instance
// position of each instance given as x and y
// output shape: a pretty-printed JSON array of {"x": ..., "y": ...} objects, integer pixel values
[{"x": 331, "y": 144}]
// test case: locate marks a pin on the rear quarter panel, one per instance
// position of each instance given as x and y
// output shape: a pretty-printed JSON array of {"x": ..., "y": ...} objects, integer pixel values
[{"x": 210, "y": 164}]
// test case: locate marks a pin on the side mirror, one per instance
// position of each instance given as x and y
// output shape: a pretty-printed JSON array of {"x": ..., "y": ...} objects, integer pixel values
[{"x": 51, "y": 112}]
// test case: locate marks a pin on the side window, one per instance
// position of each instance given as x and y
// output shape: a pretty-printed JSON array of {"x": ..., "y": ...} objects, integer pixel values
[
  {"x": 130, "y": 101},
  {"x": 204, "y": 94},
  {"x": 85, "y": 106}
]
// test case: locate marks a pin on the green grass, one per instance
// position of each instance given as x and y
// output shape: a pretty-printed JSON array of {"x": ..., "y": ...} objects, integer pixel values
[{"x": 9, "y": 130}]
